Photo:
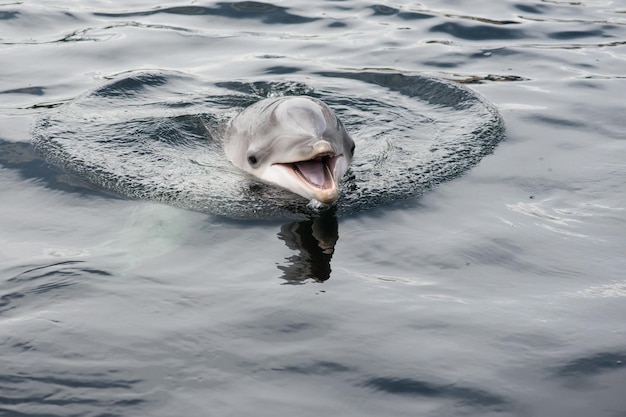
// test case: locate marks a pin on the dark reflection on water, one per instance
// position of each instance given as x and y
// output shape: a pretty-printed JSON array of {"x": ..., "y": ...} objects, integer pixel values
[
  {"x": 36, "y": 91},
  {"x": 414, "y": 387},
  {"x": 4, "y": 15},
  {"x": 576, "y": 34},
  {"x": 315, "y": 240},
  {"x": 478, "y": 32},
  {"x": 381, "y": 10},
  {"x": 281, "y": 69},
  {"x": 98, "y": 380},
  {"x": 265, "y": 12},
  {"x": 579, "y": 369},
  {"x": 37, "y": 283},
  {"x": 316, "y": 368},
  {"x": 22, "y": 158},
  {"x": 128, "y": 87},
  {"x": 535, "y": 8},
  {"x": 35, "y": 389}
]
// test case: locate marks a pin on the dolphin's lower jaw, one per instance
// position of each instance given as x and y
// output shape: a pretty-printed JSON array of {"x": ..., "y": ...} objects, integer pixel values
[{"x": 314, "y": 179}]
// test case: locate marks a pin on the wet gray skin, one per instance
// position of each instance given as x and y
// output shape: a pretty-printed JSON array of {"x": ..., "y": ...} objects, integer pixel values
[{"x": 296, "y": 143}]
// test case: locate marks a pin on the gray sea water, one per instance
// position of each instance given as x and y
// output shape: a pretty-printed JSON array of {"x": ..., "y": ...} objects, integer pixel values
[{"x": 498, "y": 293}]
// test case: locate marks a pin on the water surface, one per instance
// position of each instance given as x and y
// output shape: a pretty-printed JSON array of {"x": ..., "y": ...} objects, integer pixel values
[{"x": 500, "y": 292}]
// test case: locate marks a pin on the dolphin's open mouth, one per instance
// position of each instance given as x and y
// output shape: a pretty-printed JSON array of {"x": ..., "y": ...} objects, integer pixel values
[
  {"x": 317, "y": 172},
  {"x": 312, "y": 178}
]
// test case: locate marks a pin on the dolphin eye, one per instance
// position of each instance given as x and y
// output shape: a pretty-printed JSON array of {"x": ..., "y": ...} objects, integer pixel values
[{"x": 252, "y": 160}]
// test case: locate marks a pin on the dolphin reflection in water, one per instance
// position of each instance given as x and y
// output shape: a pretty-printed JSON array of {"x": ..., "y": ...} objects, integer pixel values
[{"x": 315, "y": 241}]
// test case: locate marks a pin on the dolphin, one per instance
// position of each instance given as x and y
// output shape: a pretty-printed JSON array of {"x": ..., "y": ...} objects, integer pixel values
[{"x": 294, "y": 142}]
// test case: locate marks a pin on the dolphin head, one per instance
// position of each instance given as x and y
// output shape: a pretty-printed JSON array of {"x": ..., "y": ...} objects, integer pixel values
[{"x": 296, "y": 143}]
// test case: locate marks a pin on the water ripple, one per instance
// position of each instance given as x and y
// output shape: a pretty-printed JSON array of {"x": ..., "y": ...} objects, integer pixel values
[
  {"x": 9, "y": 15},
  {"x": 407, "y": 149},
  {"x": 317, "y": 368},
  {"x": 265, "y": 12},
  {"x": 42, "y": 283},
  {"x": 579, "y": 371},
  {"x": 382, "y": 10},
  {"x": 26, "y": 394},
  {"x": 479, "y": 32},
  {"x": 419, "y": 388}
]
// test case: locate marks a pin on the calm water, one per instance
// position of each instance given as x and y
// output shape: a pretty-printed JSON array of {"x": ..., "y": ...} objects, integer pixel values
[{"x": 500, "y": 293}]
